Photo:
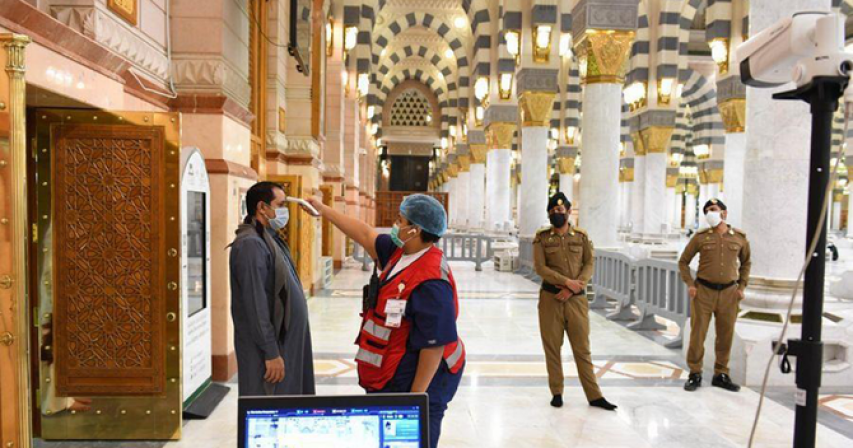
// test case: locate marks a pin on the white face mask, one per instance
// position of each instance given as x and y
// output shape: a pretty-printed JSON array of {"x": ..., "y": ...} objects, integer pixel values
[{"x": 714, "y": 219}]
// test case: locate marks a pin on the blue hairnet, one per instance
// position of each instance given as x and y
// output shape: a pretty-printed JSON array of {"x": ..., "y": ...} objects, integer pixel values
[{"x": 425, "y": 212}]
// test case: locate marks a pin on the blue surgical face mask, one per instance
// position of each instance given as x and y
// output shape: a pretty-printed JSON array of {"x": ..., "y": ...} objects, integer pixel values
[
  {"x": 395, "y": 236},
  {"x": 282, "y": 216}
]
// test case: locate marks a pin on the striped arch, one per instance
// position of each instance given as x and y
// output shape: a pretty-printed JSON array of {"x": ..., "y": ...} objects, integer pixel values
[
  {"x": 844, "y": 6},
  {"x": 402, "y": 54},
  {"x": 384, "y": 36},
  {"x": 688, "y": 13},
  {"x": 700, "y": 95}
]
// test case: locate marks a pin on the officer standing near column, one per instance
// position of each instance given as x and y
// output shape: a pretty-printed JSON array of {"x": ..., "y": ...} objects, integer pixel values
[
  {"x": 563, "y": 257},
  {"x": 724, "y": 264}
]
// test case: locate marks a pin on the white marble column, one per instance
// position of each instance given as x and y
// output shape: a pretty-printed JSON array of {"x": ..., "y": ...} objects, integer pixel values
[
  {"x": 655, "y": 207},
  {"x": 499, "y": 190},
  {"x": 625, "y": 204},
  {"x": 690, "y": 211},
  {"x": 733, "y": 177},
  {"x": 599, "y": 214},
  {"x": 638, "y": 194},
  {"x": 477, "y": 189},
  {"x": 850, "y": 215},
  {"x": 533, "y": 213},
  {"x": 776, "y": 168},
  {"x": 670, "y": 207},
  {"x": 836, "y": 215},
  {"x": 452, "y": 191},
  {"x": 567, "y": 186},
  {"x": 677, "y": 210},
  {"x": 463, "y": 198}
]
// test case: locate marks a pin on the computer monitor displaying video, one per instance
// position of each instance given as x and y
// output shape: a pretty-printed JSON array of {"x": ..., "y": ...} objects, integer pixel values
[{"x": 364, "y": 421}]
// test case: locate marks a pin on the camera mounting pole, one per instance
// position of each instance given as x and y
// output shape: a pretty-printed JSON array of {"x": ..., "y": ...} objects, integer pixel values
[{"x": 822, "y": 93}]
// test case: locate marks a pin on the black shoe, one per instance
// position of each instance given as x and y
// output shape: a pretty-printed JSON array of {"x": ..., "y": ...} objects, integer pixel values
[
  {"x": 693, "y": 382},
  {"x": 557, "y": 401},
  {"x": 603, "y": 404},
  {"x": 724, "y": 382}
]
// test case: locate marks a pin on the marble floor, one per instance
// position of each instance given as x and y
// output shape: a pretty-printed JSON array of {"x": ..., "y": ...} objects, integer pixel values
[{"x": 503, "y": 400}]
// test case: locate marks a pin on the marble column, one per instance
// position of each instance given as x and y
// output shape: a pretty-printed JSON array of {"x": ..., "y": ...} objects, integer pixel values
[
  {"x": 602, "y": 47},
  {"x": 477, "y": 189},
  {"x": 838, "y": 196},
  {"x": 626, "y": 184},
  {"x": 677, "y": 210},
  {"x": 733, "y": 113},
  {"x": 499, "y": 165},
  {"x": 690, "y": 205},
  {"x": 536, "y": 107},
  {"x": 566, "y": 156},
  {"x": 637, "y": 192},
  {"x": 776, "y": 168},
  {"x": 463, "y": 196},
  {"x": 655, "y": 140},
  {"x": 849, "y": 210}
]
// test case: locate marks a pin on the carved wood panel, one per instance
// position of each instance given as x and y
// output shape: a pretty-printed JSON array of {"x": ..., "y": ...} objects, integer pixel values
[
  {"x": 388, "y": 205},
  {"x": 109, "y": 210}
]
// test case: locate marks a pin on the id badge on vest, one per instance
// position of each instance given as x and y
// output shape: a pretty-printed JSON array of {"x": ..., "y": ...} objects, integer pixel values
[{"x": 394, "y": 309}]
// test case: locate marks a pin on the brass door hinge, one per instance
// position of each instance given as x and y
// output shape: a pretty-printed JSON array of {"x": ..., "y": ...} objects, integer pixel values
[{"x": 7, "y": 339}]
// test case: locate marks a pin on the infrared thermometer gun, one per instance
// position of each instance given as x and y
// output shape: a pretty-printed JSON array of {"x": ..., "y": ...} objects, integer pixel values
[{"x": 308, "y": 207}]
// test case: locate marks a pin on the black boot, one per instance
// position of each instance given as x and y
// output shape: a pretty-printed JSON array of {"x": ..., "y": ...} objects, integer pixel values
[
  {"x": 603, "y": 404},
  {"x": 723, "y": 381},
  {"x": 693, "y": 382},
  {"x": 557, "y": 401}
]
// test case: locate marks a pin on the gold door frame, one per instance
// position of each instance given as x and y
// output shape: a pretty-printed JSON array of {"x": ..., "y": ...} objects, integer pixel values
[
  {"x": 135, "y": 415},
  {"x": 15, "y": 423}
]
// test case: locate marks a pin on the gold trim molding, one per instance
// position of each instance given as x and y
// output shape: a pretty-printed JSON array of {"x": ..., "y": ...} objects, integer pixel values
[
  {"x": 626, "y": 175},
  {"x": 14, "y": 239},
  {"x": 656, "y": 139},
  {"x": 464, "y": 163},
  {"x": 500, "y": 135},
  {"x": 536, "y": 108},
  {"x": 639, "y": 149},
  {"x": 733, "y": 113},
  {"x": 606, "y": 53},
  {"x": 714, "y": 176},
  {"x": 453, "y": 170},
  {"x": 671, "y": 180}
]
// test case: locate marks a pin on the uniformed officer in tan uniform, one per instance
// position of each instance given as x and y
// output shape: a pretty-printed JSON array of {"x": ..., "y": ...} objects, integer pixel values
[
  {"x": 724, "y": 263},
  {"x": 563, "y": 257}
]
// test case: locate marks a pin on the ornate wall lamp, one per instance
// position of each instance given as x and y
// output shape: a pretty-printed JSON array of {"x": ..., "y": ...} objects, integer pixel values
[
  {"x": 330, "y": 37},
  {"x": 513, "y": 44},
  {"x": 542, "y": 43},
  {"x": 666, "y": 87},
  {"x": 720, "y": 54},
  {"x": 350, "y": 38}
]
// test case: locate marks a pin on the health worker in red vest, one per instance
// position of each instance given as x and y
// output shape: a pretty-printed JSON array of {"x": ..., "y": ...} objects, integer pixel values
[{"x": 408, "y": 340}]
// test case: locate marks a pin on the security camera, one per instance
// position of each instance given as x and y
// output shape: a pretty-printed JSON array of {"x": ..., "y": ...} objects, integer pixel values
[{"x": 796, "y": 49}]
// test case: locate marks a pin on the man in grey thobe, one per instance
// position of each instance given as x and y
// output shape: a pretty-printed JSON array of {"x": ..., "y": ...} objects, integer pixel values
[{"x": 272, "y": 337}]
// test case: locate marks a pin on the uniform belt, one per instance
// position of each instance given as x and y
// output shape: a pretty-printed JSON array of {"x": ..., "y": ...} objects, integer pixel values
[
  {"x": 547, "y": 287},
  {"x": 715, "y": 286}
]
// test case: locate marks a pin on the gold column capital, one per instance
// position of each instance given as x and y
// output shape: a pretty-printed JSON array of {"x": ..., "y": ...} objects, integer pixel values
[
  {"x": 14, "y": 45},
  {"x": 606, "y": 54},
  {"x": 499, "y": 135},
  {"x": 656, "y": 138},
  {"x": 671, "y": 180},
  {"x": 478, "y": 152},
  {"x": 453, "y": 170},
  {"x": 566, "y": 165},
  {"x": 712, "y": 176},
  {"x": 733, "y": 113},
  {"x": 536, "y": 108},
  {"x": 626, "y": 174},
  {"x": 464, "y": 163},
  {"x": 639, "y": 149}
]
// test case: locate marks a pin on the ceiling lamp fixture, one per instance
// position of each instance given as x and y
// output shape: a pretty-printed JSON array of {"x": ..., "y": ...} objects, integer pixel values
[
  {"x": 363, "y": 84},
  {"x": 665, "y": 88},
  {"x": 350, "y": 38},
  {"x": 571, "y": 134},
  {"x": 330, "y": 37},
  {"x": 448, "y": 53},
  {"x": 542, "y": 43},
  {"x": 479, "y": 115},
  {"x": 720, "y": 54},
  {"x": 566, "y": 45},
  {"x": 506, "y": 85},
  {"x": 702, "y": 151},
  {"x": 371, "y": 111},
  {"x": 460, "y": 22},
  {"x": 481, "y": 89},
  {"x": 513, "y": 43}
]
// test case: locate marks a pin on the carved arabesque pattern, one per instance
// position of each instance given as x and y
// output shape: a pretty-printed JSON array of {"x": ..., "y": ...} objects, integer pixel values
[{"x": 109, "y": 268}]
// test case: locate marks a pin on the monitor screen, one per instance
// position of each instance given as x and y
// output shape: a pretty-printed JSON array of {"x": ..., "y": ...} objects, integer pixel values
[{"x": 372, "y": 421}]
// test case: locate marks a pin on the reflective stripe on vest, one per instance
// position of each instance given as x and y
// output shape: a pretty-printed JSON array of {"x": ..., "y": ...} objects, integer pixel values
[
  {"x": 456, "y": 355},
  {"x": 369, "y": 357},
  {"x": 377, "y": 331}
]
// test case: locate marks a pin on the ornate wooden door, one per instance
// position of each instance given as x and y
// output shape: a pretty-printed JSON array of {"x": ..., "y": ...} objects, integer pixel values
[{"x": 107, "y": 232}]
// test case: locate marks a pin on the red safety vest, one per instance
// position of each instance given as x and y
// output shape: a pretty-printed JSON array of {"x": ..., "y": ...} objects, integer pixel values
[{"x": 381, "y": 348}]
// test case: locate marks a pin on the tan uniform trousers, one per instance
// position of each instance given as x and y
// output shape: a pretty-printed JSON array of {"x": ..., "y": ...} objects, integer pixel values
[
  {"x": 571, "y": 318},
  {"x": 723, "y": 305}
]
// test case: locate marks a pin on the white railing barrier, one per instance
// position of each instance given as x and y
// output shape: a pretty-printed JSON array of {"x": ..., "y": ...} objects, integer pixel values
[
  {"x": 653, "y": 286},
  {"x": 456, "y": 247}
]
